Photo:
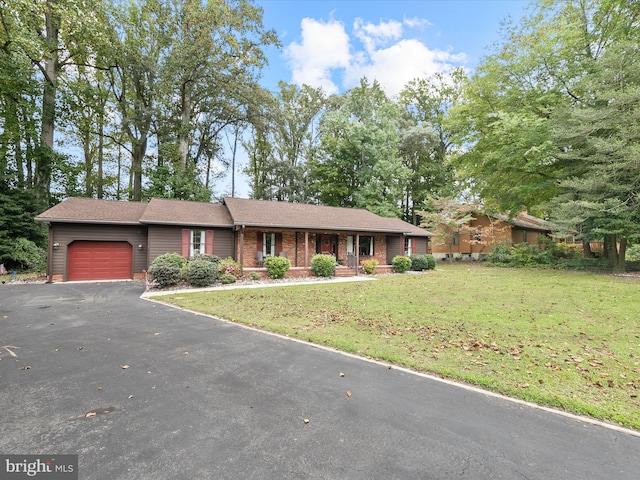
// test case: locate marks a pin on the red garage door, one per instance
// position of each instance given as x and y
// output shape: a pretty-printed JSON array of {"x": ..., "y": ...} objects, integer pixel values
[{"x": 99, "y": 261}]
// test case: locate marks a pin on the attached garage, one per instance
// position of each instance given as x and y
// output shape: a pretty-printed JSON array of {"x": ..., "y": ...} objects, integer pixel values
[{"x": 92, "y": 260}]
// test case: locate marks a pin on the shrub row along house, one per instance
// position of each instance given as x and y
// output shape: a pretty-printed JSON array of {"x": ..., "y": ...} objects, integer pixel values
[{"x": 93, "y": 239}]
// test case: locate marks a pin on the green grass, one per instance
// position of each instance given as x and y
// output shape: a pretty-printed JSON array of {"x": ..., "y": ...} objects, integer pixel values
[{"x": 564, "y": 339}]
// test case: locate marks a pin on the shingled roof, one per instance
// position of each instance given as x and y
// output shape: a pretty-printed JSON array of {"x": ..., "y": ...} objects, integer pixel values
[
  {"x": 90, "y": 210},
  {"x": 232, "y": 212},
  {"x": 267, "y": 214},
  {"x": 178, "y": 212}
]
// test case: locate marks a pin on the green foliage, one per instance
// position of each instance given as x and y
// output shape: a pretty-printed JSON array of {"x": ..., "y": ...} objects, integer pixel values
[
  {"x": 633, "y": 253},
  {"x": 165, "y": 274},
  {"x": 17, "y": 210},
  {"x": 370, "y": 266},
  {"x": 501, "y": 255},
  {"x": 420, "y": 262},
  {"x": 173, "y": 181},
  {"x": 201, "y": 273},
  {"x": 277, "y": 267},
  {"x": 173, "y": 258},
  {"x": 254, "y": 276},
  {"x": 401, "y": 263},
  {"x": 323, "y": 265},
  {"x": 227, "y": 278},
  {"x": 206, "y": 257},
  {"x": 283, "y": 140},
  {"x": 23, "y": 254},
  {"x": 229, "y": 266},
  {"x": 544, "y": 254},
  {"x": 360, "y": 167}
]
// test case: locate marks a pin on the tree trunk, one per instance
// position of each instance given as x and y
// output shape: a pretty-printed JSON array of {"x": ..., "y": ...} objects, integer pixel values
[
  {"x": 100, "y": 179},
  {"x": 51, "y": 68},
  {"x": 88, "y": 165},
  {"x": 139, "y": 150},
  {"x": 586, "y": 249},
  {"x": 185, "y": 121}
]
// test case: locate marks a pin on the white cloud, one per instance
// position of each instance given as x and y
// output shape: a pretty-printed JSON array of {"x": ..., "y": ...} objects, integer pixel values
[
  {"x": 415, "y": 22},
  {"x": 397, "y": 65},
  {"x": 323, "y": 48},
  {"x": 373, "y": 36}
]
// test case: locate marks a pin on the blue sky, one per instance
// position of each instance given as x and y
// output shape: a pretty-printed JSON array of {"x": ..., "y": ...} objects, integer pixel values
[{"x": 333, "y": 43}]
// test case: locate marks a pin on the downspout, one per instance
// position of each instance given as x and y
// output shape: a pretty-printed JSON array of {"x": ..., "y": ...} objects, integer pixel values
[
  {"x": 241, "y": 246},
  {"x": 50, "y": 255}
]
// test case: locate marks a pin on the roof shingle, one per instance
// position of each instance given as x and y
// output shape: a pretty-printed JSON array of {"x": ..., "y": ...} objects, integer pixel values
[
  {"x": 90, "y": 210},
  {"x": 234, "y": 211},
  {"x": 267, "y": 214},
  {"x": 179, "y": 212}
]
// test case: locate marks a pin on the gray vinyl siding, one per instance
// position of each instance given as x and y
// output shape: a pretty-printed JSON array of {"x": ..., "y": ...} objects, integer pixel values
[
  {"x": 394, "y": 247},
  {"x": 167, "y": 239},
  {"x": 422, "y": 244},
  {"x": 65, "y": 233}
]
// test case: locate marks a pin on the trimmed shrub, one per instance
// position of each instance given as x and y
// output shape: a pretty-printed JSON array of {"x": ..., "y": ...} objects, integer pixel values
[
  {"x": 165, "y": 273},
  {"x": 207, "y": 257},
  {"x": 323, "y": 265},
  {"x": 254, "y": 276},
  {"x": 277, "y": 267},
  {"x": 227, "y": 278},
  {"x": 420, "y": 262},
  {"x": 370, "y": 265},
  {"x": 174, "y": 258},
  {"x": 201, "y": 273},
  {"x": 230, "y": 266},
  {"x": 401, "y": 263}
]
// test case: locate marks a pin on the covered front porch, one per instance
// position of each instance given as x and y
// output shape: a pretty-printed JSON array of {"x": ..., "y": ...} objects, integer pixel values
[{"x": 349, "y": 248}]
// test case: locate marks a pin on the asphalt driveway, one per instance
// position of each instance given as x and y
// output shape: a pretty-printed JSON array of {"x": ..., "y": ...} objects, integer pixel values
[{"x": 140, "y": 390}]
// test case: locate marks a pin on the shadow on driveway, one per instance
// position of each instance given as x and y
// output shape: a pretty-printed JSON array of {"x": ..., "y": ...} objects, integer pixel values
[{"x": 140, "y": 390}]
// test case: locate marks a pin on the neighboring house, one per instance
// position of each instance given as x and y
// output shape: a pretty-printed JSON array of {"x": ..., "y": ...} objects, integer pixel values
[
  {"x": 484, "y": 232},
  {"x": 105, "y": 239}
]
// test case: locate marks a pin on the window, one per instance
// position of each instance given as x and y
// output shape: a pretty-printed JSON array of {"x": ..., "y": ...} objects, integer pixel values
[
  {"x": 456, "y": 238},
  {"x": 197, "y": 242},
  {"x": 524, "y": 236},
  {"x": 269, "y": 244},
  {"x": 477, "y": 237},
  {"x": 408, "y": 251},
  {"x": 366, "y": 246},
  {"x": 351, "y": 245}
]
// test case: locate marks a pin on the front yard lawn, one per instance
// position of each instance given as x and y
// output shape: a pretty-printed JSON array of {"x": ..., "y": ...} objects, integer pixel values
[{"x": 565, "y": 339}]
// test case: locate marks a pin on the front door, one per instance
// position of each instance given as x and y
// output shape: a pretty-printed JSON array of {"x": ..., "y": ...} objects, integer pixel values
[{"x": 327, "y": 244}]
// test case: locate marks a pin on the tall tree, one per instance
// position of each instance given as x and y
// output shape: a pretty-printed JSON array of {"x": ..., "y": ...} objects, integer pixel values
[
  {"x": 514, "y": 103},
  {"x": 509, "y": 101},
  {"x": 429, "y": 139},
  {"x": 53, "y": 35},
  {"x": 600, "y": 136},
  {"x": 360, "y": 166},
  {"x": 288, "y": 123}
]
